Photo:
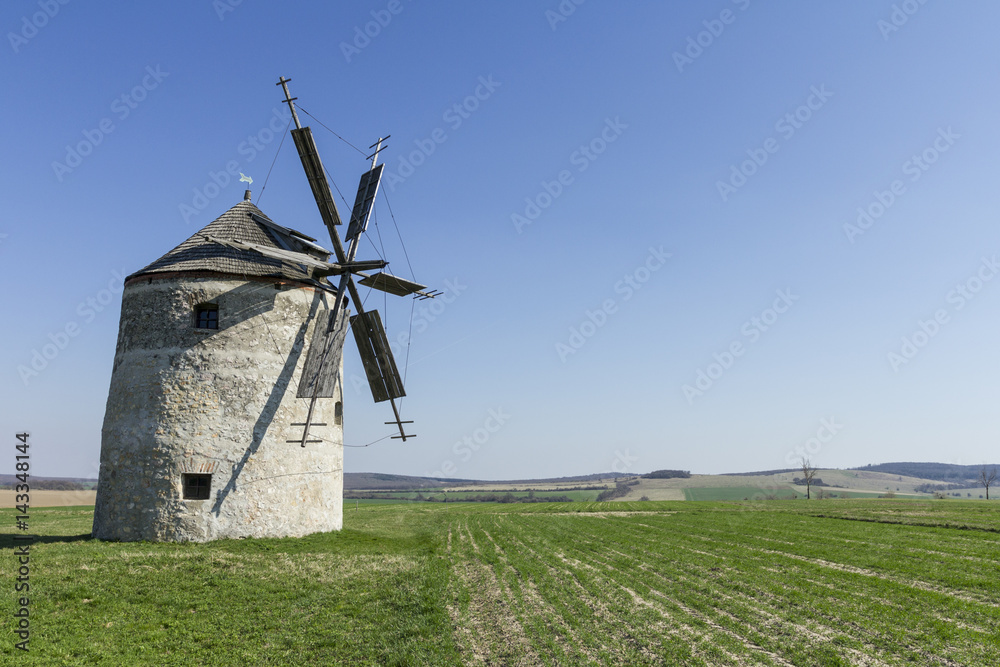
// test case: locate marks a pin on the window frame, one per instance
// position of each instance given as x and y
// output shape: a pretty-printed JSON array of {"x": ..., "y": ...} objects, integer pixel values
[
  {"x": 194, "y": 481},
  {"x": 207, "y": 309}
]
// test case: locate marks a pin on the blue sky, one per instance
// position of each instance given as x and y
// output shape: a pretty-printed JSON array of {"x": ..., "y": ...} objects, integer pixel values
[{"x": 614, "y": 197}]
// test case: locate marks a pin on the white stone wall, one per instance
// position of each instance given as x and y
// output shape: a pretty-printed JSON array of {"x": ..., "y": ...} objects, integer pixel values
[{"x": 221, "y": 401}]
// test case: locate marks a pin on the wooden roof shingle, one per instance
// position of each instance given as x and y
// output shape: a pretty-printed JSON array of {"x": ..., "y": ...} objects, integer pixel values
[{"x": 198, "y": 254}]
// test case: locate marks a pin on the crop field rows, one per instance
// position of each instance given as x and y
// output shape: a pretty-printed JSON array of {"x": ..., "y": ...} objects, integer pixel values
[
  {"x": 720, "y": 587},
  {"x": 834, "y": 582}
]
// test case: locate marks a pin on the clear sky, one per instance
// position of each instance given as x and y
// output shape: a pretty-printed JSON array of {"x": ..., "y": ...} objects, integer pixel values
[{"x": 705, "y": 235}]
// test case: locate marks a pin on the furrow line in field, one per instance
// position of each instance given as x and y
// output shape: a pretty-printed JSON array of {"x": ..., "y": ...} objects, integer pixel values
[
  {"x": 914, "y": 576},
  {"x": 922, "y": 585},
  {"x": 703, "y": 615},
  {"x": 611, "y": 618},
  {"x": 867, "y": 598},
  {"x": 594, "y": 603},
  {"x": 848, "y": 608},
  {"x": 714, "y": 591},
  {"x": 487, "y": 632},
  {"x": 538, "y": 613}
]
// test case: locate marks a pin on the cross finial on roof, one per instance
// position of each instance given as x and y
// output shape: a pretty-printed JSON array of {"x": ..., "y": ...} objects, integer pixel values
[
  {"x": 283, "y": 82},
  {"x": 374, "y": 156}
]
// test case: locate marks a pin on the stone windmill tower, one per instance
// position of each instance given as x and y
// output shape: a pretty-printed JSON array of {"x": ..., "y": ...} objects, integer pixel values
[{"x": 224, "y": 416}]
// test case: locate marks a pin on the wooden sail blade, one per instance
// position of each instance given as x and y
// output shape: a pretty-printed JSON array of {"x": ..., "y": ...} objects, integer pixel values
[
  {"x": 380, "y": 367},
  {"x": 391, "y": 284},
  {"x": 319, "y": 375},
  {"x": 367, "y": 189},
  {"x": 313, "y": 167},
  {"x": 352, "y": 267}
]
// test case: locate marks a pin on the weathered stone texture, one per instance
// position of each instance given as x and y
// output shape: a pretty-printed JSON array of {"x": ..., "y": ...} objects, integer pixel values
[{"x": 188, "y": 400}]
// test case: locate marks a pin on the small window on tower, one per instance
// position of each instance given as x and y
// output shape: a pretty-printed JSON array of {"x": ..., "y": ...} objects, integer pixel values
[
  {"x": 338, "y": 413},
  {"x": 206, "y": 316},
  {"x": 196, "y": 486}
]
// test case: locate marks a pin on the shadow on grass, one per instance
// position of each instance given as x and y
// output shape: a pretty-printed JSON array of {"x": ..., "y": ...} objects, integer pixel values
[{"x": 8, "y": 541}]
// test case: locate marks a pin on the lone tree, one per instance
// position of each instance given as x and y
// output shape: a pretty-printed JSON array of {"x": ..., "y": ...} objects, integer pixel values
[
  {"x": 808, "y": 473},
  {"x": 986, "y": 478}
]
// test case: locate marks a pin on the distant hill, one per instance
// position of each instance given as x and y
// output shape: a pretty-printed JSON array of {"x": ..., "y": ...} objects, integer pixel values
[
  {"x": 382, "y": 481},
  {"x": 377, "y": 480},
  {"x": 763, "y": 473},
  {"x": 40, "y": 483},
  {"x": 941, "y": 472}
]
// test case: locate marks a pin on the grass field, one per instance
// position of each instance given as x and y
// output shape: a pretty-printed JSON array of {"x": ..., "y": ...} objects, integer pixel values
[
  {"x": 842, "y": 582},
  {"x": 457, "y": 496}
]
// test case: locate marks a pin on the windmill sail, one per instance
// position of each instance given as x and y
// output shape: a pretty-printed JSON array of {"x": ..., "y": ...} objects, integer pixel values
[
  {"x": 367, "y": 189},
  {"x": 320, "y": 379},
  {"x": 392, "y": 284},
  {"x": 383, "y": 377},
  {"x": 313, "y": 166}
]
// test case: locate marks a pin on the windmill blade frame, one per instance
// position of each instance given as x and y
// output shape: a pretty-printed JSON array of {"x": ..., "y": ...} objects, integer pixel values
[{"x": 380, "y": 366}]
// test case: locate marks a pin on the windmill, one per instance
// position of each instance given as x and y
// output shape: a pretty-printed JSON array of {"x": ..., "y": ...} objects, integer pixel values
[
  {"x": 322, "y": 361},
  {"x": 213, "y": 337}
]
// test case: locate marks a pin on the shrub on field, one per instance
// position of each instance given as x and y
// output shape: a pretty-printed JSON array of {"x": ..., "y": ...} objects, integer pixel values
[
  {"x": 617, "y": 492},
  {"x": 644, "y": 498},
  {"x": 668, "y": 474}
]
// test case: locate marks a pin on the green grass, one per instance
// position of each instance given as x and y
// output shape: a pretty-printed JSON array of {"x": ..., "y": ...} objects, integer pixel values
[
  {"x": 838, "y": 582},
  {"x": 369, "y": 594}
]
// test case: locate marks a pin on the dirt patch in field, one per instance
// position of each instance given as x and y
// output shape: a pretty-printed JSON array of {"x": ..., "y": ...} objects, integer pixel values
[
  {"x": 50, "y": 498},
  {"x": 606, "y": 514}
]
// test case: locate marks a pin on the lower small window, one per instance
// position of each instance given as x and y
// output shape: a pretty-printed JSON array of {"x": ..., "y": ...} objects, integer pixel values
[
  {"x": 206, "y": 316},
  {"x": 196, "y": 486}
]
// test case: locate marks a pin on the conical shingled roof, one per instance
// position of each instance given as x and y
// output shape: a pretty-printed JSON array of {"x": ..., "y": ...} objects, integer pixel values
[{"x": 198, "y": 254}]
